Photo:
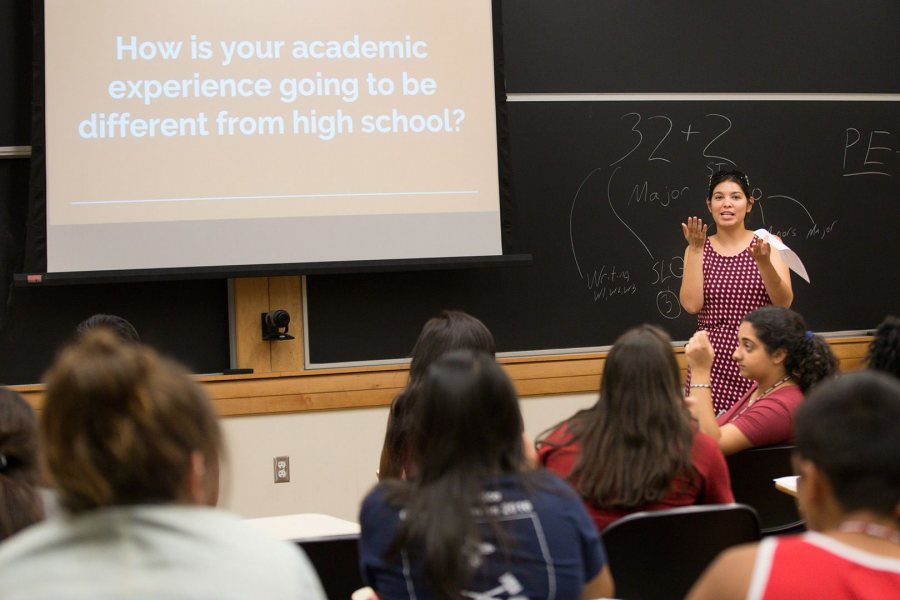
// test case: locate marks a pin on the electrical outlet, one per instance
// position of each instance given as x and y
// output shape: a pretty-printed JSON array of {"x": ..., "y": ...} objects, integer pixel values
[{"x": 282, "y": 466}]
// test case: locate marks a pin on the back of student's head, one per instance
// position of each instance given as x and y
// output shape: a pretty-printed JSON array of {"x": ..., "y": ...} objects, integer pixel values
[
  {"x": 450, "y": 330},
  {"x": 849, "y": 428},
  {"x": 118, "y": 325},
  {"x": 466, "y": 418},
  {"x": 884, "y": 351},
  {"x": 122, "y": 426},
  {"x": 20, "y": 505},
  {"x": 466, "y": 431},
  {"x": 809, "y": 358},
  {"x": 638, "y": 436}
]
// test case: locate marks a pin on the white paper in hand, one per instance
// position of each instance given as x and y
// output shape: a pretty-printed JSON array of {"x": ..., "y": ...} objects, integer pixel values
[{"x": 789, "y": 257}]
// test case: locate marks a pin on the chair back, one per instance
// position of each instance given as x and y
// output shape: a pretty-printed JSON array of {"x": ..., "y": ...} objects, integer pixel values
[
  {"x": 752, "y": 475},
  {"x": 660, "y": 554},
  {"x": 336, "y": 560}
]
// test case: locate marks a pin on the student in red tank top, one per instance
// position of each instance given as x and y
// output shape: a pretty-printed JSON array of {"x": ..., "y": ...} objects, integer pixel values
[{"x": 848, "y": 442}]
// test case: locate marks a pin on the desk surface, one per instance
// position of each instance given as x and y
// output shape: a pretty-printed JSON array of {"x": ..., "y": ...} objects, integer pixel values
[{"x": 307, "y": 526}]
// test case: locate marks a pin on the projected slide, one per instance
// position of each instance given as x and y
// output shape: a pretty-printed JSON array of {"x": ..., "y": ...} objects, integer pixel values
[{"x": 186, "y": 133}]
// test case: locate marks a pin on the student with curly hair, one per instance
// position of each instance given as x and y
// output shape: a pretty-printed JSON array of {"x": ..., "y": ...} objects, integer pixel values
[
  {"x": 783, "y": 359},
  {"x": 20, "y": 503}
]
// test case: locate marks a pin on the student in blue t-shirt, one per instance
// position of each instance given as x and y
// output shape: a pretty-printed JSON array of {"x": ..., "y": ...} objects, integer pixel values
[{"x": 476, "y": 522}]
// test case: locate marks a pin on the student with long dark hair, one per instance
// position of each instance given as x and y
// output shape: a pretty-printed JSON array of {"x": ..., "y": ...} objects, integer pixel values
[
  {"x": 450, "y": 330},
  {"x": 20, "y": 503},
  {"x": 784, "y": 360},
  {"x": 473, "y": 521},
  {"x": 132, "y": 445},
  {"x": 848, "y": 459},
  {"x": 637, "y": 448}
]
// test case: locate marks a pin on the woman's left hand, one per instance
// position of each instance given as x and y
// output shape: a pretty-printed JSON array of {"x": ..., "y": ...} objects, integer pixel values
[{"x": 761, "y": 252}]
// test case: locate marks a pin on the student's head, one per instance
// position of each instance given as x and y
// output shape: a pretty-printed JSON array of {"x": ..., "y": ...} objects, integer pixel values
[
  {"x": 774, "y": 341},
  {"x": 122, "y": 426},
  {"x": 121, "y": 327},
  {"x": 637, "y": 436},
  {"x": 641, "y": 376},
  {"x": 450, "y": 330},
  {"x": 848, "y": 431},
  {"x": 20, "y": 505},
  {"x": 884, "y": 351},
  {"x": 728, "y": 198},
  {"x": 466, "y": 417}
]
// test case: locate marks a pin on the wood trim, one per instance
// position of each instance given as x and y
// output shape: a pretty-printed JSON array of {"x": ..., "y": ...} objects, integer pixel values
[
  {"x": 298, "y": 391},
  {"x": 251, "y": 299},
  {"x": 285, "y": 294}
]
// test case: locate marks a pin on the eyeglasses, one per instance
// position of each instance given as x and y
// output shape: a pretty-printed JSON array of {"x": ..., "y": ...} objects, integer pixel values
[{"x": 723, "y": 175}]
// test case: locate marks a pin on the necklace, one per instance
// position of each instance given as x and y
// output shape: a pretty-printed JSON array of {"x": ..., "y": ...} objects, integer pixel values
[
  {"x": 763, "y": 395},
  {"x": 871, "y": 529}
]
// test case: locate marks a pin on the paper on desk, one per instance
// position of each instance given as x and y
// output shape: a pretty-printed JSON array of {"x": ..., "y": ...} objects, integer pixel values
[
  {"x": 789, "y": 257},
  {"x": 789, "y": 482}
]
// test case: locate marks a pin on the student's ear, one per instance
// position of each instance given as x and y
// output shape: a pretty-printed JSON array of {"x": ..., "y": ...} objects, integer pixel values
[{"x": 779, "y": 356}]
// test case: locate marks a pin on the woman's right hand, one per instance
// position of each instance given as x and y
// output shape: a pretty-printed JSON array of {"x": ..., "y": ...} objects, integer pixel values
[
  {"x": 694, "y": 232},
  {"x": 699, "y": 352}
]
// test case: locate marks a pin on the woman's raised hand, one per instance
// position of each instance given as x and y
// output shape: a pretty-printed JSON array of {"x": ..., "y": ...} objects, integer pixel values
[
  {"x": 699, "y": 352},
  {"x": 694, "y": 232},
  {"x": 761, "y": 251}
]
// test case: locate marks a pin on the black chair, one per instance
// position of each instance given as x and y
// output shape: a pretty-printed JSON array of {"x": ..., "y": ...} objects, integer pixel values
[
  {"x": 660, "y": 554},
  {"x": 336, "y": 560},
  {"x": 752, "y": 475}
]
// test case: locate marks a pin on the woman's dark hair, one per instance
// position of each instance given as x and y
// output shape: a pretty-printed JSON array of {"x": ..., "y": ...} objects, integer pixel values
[
  {"x": 638, "y": 436},
  {"x": 736, "y": 176},
  {"x": 448, "y": 331},
  {"x": 121, "y": 327},
  {"x": 121, "y": 425},
  {"x": 20, "y": 505},
  {"x": 884, "y": 351},
  {"x": 809, "y": 357},
  {"x": 850, "y": 429},
  {"x": 466, "y": 431}
]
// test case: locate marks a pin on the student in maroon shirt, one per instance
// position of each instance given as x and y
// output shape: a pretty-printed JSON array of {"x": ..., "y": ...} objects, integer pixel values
[
  {"x": 637, "y": 448},
  {"x": 782, "y": 358}
]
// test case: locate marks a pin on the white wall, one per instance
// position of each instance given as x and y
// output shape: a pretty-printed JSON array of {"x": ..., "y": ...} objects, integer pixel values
[{"x": 333, "y": 455}]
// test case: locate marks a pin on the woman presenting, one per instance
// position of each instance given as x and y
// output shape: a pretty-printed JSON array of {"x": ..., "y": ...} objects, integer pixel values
[{"x": 728, "y": 275}]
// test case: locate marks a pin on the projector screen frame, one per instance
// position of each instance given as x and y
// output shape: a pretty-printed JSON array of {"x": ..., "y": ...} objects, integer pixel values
[{"x": 35, "y": 264}]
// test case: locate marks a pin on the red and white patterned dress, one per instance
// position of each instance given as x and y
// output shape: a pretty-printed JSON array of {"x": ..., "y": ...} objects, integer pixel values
[{"x": 732, "y": 288}]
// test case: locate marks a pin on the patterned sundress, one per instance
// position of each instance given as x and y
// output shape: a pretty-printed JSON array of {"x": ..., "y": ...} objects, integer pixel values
[{"x": 732, "y": 288}]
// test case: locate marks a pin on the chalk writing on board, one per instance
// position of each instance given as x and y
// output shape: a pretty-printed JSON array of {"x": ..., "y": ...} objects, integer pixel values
[
  {"x": 870, "y": 152},
  {"x": 668, "y": 304},
  {"x": 641, "y": 185}
]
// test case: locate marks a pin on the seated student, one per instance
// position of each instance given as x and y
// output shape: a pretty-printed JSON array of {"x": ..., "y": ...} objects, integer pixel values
[
  {"x": 450, "y": 330},
  {"x": 474, "y": 521},
  {"x": 782, "y": 358},
  {"x": 884, "y": 351},
  {"x": 637, "y": 448},
  {"x": 132, "y": 445},
  {"x": 20, "y": 502},
  {"x": 118, "y": 325},
  {"x": 848, "y": 459}
]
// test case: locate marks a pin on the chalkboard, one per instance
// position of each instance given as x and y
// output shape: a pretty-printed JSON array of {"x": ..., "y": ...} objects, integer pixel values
[
  {"x": 649, "y": 46},
  {"x": 601, "y": 188},
  {"x": 185, "y": 320}
]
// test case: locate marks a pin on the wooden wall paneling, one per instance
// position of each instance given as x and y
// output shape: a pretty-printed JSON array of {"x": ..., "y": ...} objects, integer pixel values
[
  {"x": 284, "y": 293},
  {"x": 251, "y": 299}
]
